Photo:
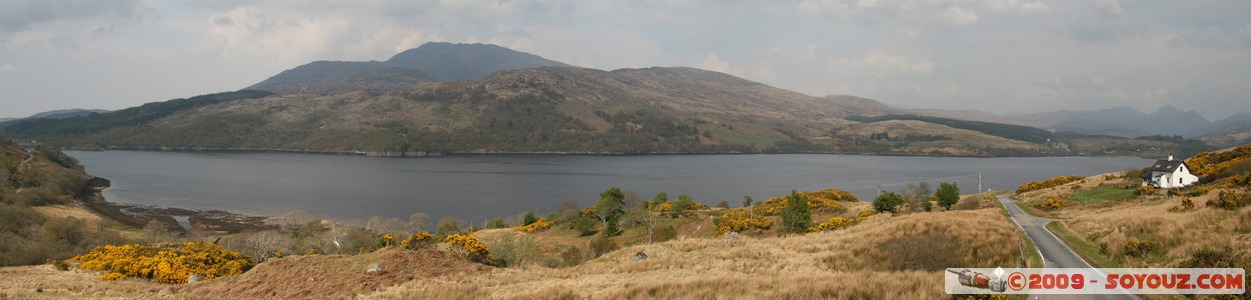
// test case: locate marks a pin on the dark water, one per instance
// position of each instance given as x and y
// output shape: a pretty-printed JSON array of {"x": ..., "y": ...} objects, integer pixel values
[{"x": 354, "y": 188}]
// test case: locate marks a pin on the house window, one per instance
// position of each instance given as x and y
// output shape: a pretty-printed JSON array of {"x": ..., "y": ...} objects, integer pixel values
[{"x": 1179, "y": 181}]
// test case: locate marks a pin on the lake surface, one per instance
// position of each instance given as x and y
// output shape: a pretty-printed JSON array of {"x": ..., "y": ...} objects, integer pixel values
[{"x": 477, "y": 187}]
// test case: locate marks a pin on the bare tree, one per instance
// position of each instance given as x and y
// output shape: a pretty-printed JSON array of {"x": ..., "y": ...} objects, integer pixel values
[
  {"x": 419, "y": 221},
  {"x": 391, "y": 225}
]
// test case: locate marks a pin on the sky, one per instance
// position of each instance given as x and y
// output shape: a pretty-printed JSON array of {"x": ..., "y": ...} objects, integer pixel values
[{"x": 1001, "y": 56}]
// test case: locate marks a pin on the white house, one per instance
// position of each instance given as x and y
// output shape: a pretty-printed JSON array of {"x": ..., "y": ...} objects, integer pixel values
[{"x": 1169, "y": 174}]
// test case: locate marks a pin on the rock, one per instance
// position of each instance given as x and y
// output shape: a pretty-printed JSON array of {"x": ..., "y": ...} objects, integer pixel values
[
  {"x": 730, "y": 236},
  {"x": 640, "y": 256},
  {"x": 374, "y": 268},
  {"x": 194, "y": 278}
]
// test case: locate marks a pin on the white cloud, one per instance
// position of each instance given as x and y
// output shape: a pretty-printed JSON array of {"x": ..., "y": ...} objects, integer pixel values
[
  {"x": 955, "y": 17},
  {"x": 6, "y": 68},
  {"x": 1018, "y": 7},
  {"x": 1108, "y": 8},
  {"x": 714, "y": 63},
  {"x": 878, "y": 64},
  {"x": 775, "y": 50},
  {"x": 1156, "y": 95}
]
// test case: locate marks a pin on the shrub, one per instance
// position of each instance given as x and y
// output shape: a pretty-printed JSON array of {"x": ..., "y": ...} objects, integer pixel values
[
  {"x": 58, "y": 265},
  {"x": 386, "y": 240},
  {"x": 887, "y": 202},
  {"x": 584, "y": 226},
  {"x": 571, "y": 257},
  {"x": 1199, "y": 191},
  {"x": 1046, "y": 184},
  {"x": 1145, "y": 190},
  {"x": 796, "y": 217},
  {"x": 932, "y": 252},
  {"x": 821, "y": 201},
  {"x": 447, "y": 225},
  {"x": 1137, "y": 248},
  {"x": 497, "y": 223},
  {"x": 739, "y": 220},
  {"x": 1230, "y": 200},
  {"x": 468, "y": 247},
  {"x": 1186, "y": 205},
  {"x": 528, "y": 219},
  {"x": 723, "y": 204},
  {"x": 680, "y": 207},
  {"x": 417, "y": 241},
  {"x": 538, "y": 225},
  {"x": 514, "y": 250},
  {"x": 948, "y": 194},
  {"x": 167, "y": 263},
  {"x": 835, "y": 223},
  {"x": 665, "y": 233},
  {"x": 1053, "y": 204},
  {"x": 601, "y": 245}
]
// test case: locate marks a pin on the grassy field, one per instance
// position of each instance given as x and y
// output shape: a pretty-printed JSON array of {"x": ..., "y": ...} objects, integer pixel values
[
  {"x": 1100, "y": 194},
  {"x": 885, "y": 256},
  {"x": 1100, "y": 229}
]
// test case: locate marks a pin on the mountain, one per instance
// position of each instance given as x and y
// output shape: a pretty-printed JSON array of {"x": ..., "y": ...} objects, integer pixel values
[
  {"x": 447, "y": 62},
  {"x": 554, "y": 109},
  {"x": 416, "y": 103},
  {"x": 1234, "y": 130},
  {"x": 1172, "y": 121},
  {"x": 443, "y": 62},
  {"x": 55, "y": 114}
]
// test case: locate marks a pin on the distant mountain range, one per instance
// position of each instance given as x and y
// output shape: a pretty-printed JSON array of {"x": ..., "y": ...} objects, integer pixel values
[
  {"x": 472, "y": 98},
  {"x": 58, "y": 114}
]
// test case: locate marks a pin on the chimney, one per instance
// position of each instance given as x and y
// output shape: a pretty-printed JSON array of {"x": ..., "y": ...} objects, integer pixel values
[{"x": 1170, "y": 156}]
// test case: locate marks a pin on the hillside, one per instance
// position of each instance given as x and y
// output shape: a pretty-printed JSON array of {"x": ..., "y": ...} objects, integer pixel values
[
  {"x": 432, "y": 61},
  {"x": 39, "y": 218},
  {"x": 1113, "y": 222},
  {"x": 879, "y": 258},
  {"x": 655, "y": 110},
  {"x": 456, "y": 98}
]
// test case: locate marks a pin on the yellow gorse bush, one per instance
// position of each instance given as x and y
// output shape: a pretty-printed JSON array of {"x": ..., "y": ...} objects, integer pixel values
[
  {"x": 836, "y": 223},
  {"x": 1049, "y": 183},
  {"x": 539, "y": 225},
  {"x": 822, "y": 201},
  {"x": 417, "y": 240},
  {"x": 739, "y": 220},
  {"x": 1053, "y": 204},
  {"x": 1209, "y": 163},
  {"x": 164, "y": 263},
  {"x": 469, "y": 246}
]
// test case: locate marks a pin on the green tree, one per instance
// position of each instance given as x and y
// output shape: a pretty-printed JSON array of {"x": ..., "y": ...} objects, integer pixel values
[
  {"x": 723, "y": 204},
  {"x": 683, "y": 204},
  {"x": 498, "y": 223},
  {"x": 529, "y": 219},
  {"x": 747, "y": 201},
  {"x": 610, "y": 208},
  {"x": 447, "y": 225},
  {"x": 888, "y": 201},
  {"x": 795, "y": 216},
  {"x": 661, "y": 197},
  {"x": 948, "y": 194}
]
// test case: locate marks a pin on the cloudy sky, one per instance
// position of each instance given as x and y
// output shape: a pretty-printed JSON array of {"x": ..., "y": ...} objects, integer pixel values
[{"x": 1003, "y": 56}]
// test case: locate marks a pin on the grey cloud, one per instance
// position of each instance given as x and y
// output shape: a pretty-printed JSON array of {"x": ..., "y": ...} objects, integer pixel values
[{"x": 19, "y": 15}]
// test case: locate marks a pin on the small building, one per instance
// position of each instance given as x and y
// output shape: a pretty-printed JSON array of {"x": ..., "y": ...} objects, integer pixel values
[{"x": 1169, "y": 173}]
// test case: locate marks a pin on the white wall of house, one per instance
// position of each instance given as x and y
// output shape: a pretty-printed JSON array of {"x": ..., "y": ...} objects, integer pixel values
[{"x": 1178, "y": 178}]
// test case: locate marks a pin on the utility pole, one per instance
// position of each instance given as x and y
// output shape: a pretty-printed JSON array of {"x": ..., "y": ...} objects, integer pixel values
[
  {"x": 879, "y": 190},
  {"x": 979, "y": 183}
]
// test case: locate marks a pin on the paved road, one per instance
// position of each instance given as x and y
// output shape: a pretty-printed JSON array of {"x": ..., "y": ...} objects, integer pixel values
[{"x": 1054, "y": 252}]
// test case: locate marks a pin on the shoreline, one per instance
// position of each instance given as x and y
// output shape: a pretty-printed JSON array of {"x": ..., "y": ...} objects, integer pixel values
[
  {"x": 138, "y": 216},
  {"x": 421, "y": 154}
]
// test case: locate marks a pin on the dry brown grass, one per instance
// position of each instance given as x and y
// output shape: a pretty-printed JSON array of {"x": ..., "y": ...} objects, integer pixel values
[
  {"x": 842, "y": 264},
  {"x": 44, "y": 282},
  {"x": 1177, "y": 235}
]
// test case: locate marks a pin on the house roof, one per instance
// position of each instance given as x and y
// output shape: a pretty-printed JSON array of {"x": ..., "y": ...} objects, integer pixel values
[{"x": 1166, "y": 165}]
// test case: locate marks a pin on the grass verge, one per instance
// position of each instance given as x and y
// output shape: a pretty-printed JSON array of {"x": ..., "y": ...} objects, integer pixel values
[
  {"x": 1088, "y": 251},
  {"x": 1108, "y": 193}
]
